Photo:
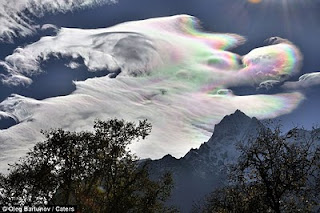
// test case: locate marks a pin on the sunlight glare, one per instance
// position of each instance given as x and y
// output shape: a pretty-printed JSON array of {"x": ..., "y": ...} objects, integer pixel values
[{"x": 254, "y": 1}]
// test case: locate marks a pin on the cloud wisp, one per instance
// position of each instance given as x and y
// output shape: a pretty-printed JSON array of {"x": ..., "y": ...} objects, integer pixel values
[
  {"x": 305, "y": 81},
  {"x": 16, "y": 15},
  {"x": 172, "y": 73}
]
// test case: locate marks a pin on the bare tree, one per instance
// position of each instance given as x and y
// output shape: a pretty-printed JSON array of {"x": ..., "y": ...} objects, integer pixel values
[{"x": 275, "y": 172}]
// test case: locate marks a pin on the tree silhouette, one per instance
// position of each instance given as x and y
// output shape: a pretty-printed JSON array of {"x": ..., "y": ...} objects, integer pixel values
[
  {"x": 275, "y": 172},
  {"x": 93, "y": 170}
]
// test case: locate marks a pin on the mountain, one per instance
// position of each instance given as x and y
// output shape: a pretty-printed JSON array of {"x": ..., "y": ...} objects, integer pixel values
[{"x": 202, "y": 170}]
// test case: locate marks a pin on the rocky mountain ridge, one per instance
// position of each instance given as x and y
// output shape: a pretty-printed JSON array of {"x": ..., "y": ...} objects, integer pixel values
[{"x": 203, "y": 169}]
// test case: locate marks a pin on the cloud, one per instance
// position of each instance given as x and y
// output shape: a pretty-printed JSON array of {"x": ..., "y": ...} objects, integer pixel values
[
  {"x": 73, "y": 65},
  {"x": 276, "y": 62},
  {"x": 268, "y": 84},
  {"x": 15, "y": 18},
  {"x": 172, "y": 74},
  {"x": 305, "y": 81},
  {"x": 139, "y": 47},
  {"x": 4, "y": 115},
  {"x": 50, "y": 27},
  {"x": 181, "y": 120}
]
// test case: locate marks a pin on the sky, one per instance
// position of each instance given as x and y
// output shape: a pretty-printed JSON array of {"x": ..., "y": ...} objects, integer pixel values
[{"x": 183, "y": 65}]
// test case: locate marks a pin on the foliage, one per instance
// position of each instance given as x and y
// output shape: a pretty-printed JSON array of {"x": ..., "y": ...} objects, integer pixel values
[
  {"x": 93, "y": 170},
  {"x": 274, "y": 173}
]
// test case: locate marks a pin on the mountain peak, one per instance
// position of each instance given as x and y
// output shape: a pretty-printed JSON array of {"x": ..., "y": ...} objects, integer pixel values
[
  {"x": 234, "y": 125},
  {"x": 206, "y": 165},
  {"x": 238, "y": 118},
  {"x": 239, "y": 112}
]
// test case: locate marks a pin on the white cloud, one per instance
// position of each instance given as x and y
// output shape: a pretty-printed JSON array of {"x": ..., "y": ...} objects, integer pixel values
[
  {"x": 51, "y": 27},
  {"x": 15, "y": 14},
  {"x": 172, "y": 74},
  {"x": 73, "y": 65},
  {"x": 181, "y": 120},
  {"x": 4, "y": 115}
]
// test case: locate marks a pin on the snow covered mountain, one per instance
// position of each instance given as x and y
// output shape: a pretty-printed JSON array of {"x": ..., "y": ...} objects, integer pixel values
[{"x": 203, "y": 169}]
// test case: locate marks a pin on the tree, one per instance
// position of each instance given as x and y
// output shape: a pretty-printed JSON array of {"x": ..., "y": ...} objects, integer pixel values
[
  {"x": 93, "y": 170},
  {"x": 274, "y": 173}
]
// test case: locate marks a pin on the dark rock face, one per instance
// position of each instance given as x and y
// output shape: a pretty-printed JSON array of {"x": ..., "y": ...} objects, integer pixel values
[{"x": 202, "y": 170}]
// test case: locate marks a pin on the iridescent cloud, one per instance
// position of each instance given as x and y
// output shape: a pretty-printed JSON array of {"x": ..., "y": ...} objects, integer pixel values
[{"x": 172, "y": 73}]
